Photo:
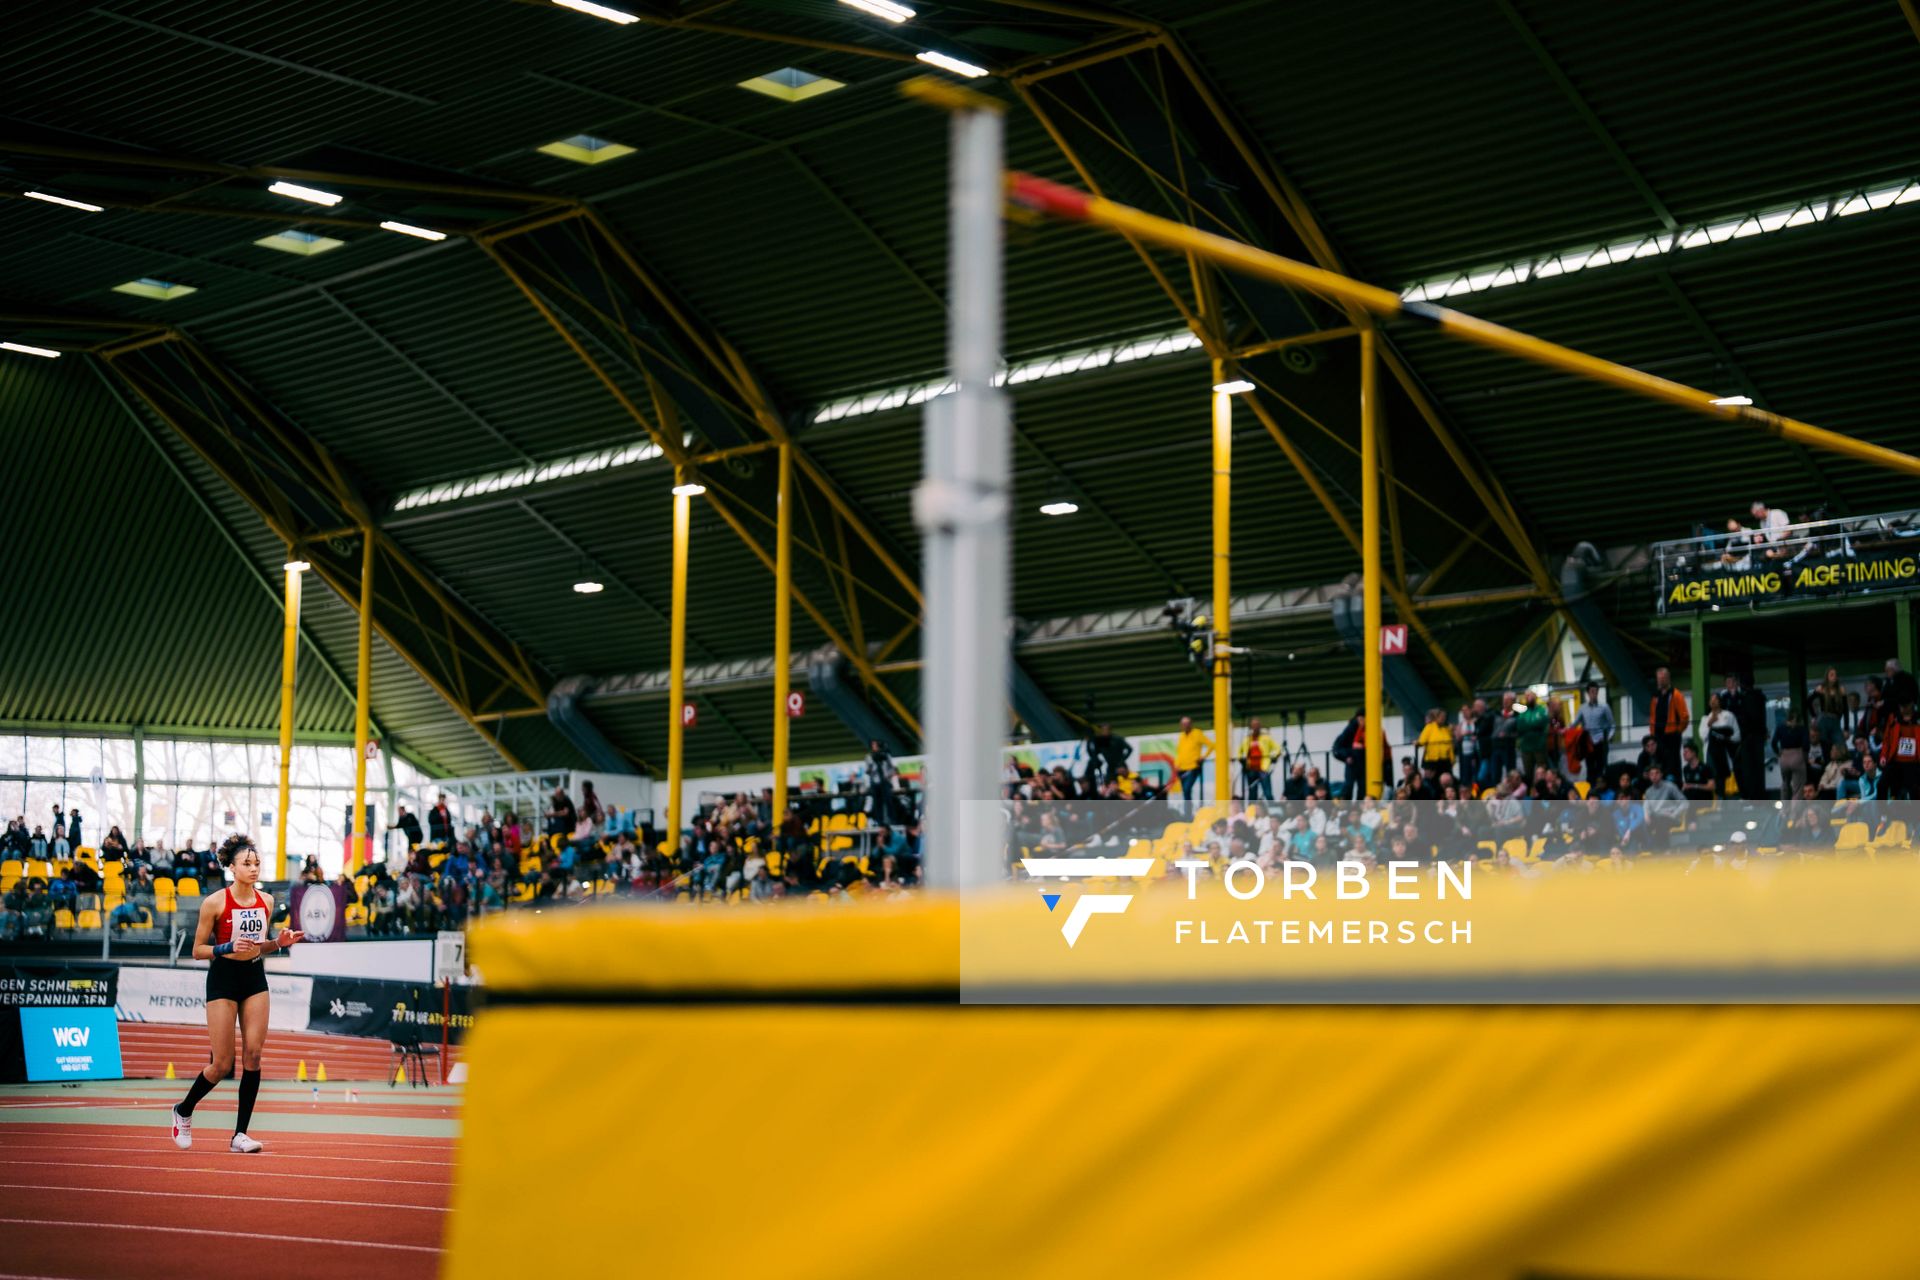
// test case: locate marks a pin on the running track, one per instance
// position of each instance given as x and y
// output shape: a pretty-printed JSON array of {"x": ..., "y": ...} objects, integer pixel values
[{"x": 335, "y": 1194}]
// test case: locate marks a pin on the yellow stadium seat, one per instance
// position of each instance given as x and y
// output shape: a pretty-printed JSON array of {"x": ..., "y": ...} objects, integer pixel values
[
  {"x": 116, "y": 894},
  {"x": 63, "y": 919},
  {"x": 40, "y": 867},
  {"x": 1852, "y": 836},
  {"x": 1895, "y": 836},
  {"x": 88, "y": 855},
  {"x": 1516, "y": 849},
  {"x": 89, "y": 919},
  {"x": 13, "y": 867},
  {"x": 356, "y": 913},
  {"x": 114, "y": 870},
  {"x": 1582, "y": 789},
  {"x": 187, "y": 888}
]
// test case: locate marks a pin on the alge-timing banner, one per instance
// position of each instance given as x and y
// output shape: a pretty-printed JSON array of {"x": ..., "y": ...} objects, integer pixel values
[{"x": 1888, "y": 569}]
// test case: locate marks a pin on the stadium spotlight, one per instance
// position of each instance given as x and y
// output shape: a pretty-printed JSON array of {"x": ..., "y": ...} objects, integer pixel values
[
  {"x": 688, "y": 490},
  {"x": 408, "y": 229},
  {"x": 588, "y": 587},
  {"x": 1733, "y": 400},
  {"x": 1233, "y": 388},
  {"x": 881, "y": 9},
  {"x": 312, "y": 195},
  {"x": 948, "y": 63},
  {"x": 297, "y": 566},
  {"x": 81, "y": 205},
  {"x": 599, "y": 11},
  {"x": 26, "y": 350}
]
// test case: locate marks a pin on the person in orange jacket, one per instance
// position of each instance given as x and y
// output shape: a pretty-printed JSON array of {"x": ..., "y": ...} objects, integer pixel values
[{"x": 1667, "y": 719}]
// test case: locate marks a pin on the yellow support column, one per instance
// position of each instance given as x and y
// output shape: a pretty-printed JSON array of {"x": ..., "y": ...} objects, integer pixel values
[
  {"x": 362, "y": 713},
  {"x": 683, "y": 494},
  {"x": 1222, "y": 584},
  {"x": 782, "y": 630},
  {"x": 289, "y": 655},
  {"x": 1370, "y": 559}
]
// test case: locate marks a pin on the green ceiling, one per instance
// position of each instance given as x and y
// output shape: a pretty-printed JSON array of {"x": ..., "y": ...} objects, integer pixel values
[{"x": 1425, "y": 139}]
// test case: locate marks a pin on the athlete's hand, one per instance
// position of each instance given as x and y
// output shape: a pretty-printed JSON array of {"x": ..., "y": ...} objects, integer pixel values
[
  {"x": 244, "y": 949},
  {"x": 288, "y": 937}
]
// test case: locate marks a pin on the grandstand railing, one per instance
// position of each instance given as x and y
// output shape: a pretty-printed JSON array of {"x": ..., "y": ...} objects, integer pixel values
[{"x": 1813, "y": 560}]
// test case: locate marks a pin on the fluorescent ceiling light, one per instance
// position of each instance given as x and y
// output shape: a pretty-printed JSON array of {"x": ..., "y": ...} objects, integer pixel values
[
  {"x": 1733, "y": 400},
  {"x": 881, "y": 9},
  {"x": 148, "y": 287},
  {"x": 589, "y": 587},
  {"x": 946, "y": 63},
  {"x": 1845, "y": 204},
  {"x": 312, "y": 195},
  {"x": 407, "y": 229},
  {"x": 303, "y": 243},
  {"x": 526, "y": 476},
  {"x": 584, "y": 148},
  {"x": 26, "y": 350},
  {"x": 598, "y": 10},
  {"x": 1036, "y": 370},
  {"x": 1060, "y": 508},
  {"x": 1233, "y": 388},
  {"x": 71, "y": 204},
  {"x": 296, "y": 566},
  {"x": 688, "y": 490},
  {"x": 790, "y": 84}
]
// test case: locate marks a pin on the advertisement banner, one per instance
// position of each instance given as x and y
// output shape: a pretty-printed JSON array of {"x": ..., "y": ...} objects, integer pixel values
[
  {"x": 179, "y": 996},
  {"x": 319, "y": 911},
  {"x": 65, "y": 986},
  {"x": 401, "y": 1012},
  {"x": 1866, "y": 570},
  {"x": 71, "y": 1043}
]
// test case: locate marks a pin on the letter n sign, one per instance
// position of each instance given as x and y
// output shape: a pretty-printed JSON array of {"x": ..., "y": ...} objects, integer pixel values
[{"x": 1393, "y": 638}]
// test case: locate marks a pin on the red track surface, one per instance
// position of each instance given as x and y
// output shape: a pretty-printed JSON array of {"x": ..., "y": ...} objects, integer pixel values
[{"x": 111, "y": 1201}]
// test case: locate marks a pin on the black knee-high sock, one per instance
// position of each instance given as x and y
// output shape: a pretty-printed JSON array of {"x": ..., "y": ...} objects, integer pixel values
[
  {"x": 249, "y": 1088},
  {"x": 201, "y": 1088}
]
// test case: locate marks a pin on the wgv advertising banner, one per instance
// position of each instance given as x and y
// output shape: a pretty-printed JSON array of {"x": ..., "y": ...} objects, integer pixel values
[{"x": 71, "y": 1043}]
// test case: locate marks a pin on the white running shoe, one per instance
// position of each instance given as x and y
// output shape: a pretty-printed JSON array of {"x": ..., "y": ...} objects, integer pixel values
[
  {"x": 243, "y": 1145},
  {"x": 182, "y": 1129}
]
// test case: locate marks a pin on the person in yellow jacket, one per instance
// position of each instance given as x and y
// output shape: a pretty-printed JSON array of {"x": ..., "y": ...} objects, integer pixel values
[
  {"x": 1258, "y": 755},
  {"x": 1435, "y": 746},
  {"x": 1190, "y": 750}
]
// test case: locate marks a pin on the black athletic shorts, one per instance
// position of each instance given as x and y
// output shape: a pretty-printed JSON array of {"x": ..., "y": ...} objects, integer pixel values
[{"x": 235, "y": 979}]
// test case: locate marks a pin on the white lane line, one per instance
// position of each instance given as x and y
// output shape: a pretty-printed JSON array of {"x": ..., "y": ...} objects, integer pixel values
[
  {"x": 230, "y": 1173},
  {"x": 28, "y": 1130},
  {"x": 214, "y": 1195},
  {"x": 224, "y": 1234},
  {"x": 279, "y": 1149}
]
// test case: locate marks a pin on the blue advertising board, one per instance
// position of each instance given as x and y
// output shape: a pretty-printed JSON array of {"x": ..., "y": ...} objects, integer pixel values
[{"x": 71, "y": 1044}]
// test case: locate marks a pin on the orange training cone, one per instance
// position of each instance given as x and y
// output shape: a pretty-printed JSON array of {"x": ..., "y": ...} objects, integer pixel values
[
  {"x": 301, "y": 1074},
  {"x": 170, "y": 1074},
  {"x": 400, "y": 1074},
  {"x": 322, "y": 1077}
]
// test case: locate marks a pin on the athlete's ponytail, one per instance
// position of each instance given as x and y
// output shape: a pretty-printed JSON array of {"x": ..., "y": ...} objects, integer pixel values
[{"x": 233, "y": 847}]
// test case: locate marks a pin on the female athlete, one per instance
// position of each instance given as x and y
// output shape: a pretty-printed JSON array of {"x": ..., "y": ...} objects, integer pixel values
[{"x": 231, "y": 938}]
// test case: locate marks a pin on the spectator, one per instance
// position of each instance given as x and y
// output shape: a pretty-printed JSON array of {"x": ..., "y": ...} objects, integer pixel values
[
  {"x": 1771, "y": 533},
  {"x": 1190, "y": 751},
  {"x": 1257, "y": 758},
  {"x": 883, "y": 779},
  {"x": 590, "y": 808},
  {"x": 1351, "y": 749},
  {"x": 1697, "y": 780},
  {"x": 37, "y": 846},
  {"x": 561, "y": 818},
  {"x": 1723, "y": 741},
  {"x": 1434, "y": 746},
  {"x": 1667, "y": 718},
  {"x": 311, "y": 872},
  {"x": 440, "y": 822},
  {"x": 1790, "y": 742},
  {"x": 75, "y": 836},
  {"x": 1107, "y": 755},
  {"x": 1665, "y": 806},
  {"x": 58, "y": 845},
  {"x": 1530, "y": 727},
  {"x": 1749, "y": 707},
  {"x": 407, "y": 825},
  {"x": 1504, "y": 755},
  {"x": 1596, "y": 718},
  {"x": 114, "y": 847},
  {"x": 1900, "y": 756}
]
